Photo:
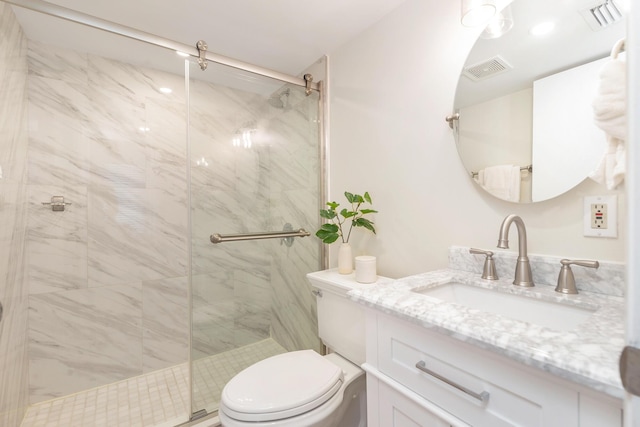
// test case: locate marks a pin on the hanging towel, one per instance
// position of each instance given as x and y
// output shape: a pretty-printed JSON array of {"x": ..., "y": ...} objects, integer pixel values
[
  {"x": 502, "y": 181},
  {"x": 610, "y": 115}
]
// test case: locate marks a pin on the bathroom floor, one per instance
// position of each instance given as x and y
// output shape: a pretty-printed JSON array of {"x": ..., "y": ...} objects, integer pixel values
[{"x": 156, "y": 399}]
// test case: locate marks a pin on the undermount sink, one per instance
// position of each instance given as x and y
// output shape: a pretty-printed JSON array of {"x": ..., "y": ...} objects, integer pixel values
[{"x": 549, "y": 314}]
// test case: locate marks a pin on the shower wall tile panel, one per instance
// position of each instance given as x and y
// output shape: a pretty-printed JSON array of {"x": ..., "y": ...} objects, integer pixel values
[
  {"x": 135, "y": 234},
  {"x": 57, "y": 241},
  {"x": 108, "y": 275},
  {"x": 294, "y": 199},
  {"x": 80, "y": 338},
  {"x": 165, "y": 318},
  {"x": 13, "y": 220},
  {"x": 213, "y": 311}
]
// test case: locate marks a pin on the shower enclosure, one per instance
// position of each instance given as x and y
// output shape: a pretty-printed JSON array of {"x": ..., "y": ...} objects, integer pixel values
[{"x": 114, "y": 298}]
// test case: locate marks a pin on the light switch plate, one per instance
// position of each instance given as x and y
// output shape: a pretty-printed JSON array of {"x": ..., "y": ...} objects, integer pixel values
[{"x": 597, "y": 225}]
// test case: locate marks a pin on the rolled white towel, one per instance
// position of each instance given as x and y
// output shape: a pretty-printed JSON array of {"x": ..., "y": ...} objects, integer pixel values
[
  {"x": 610, "y": 115},
  {"x": 610, "y": 104},
  {"x": 612, "y": 167}
]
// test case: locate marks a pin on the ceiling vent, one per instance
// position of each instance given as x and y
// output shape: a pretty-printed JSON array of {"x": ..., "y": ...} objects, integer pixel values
[
  {"x": 486, "y": 69},
  {"x": 602, "y": 15}
]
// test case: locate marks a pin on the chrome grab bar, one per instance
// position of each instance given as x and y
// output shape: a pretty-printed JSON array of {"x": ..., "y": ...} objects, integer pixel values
[
  {"x": 221, "y": 238},
  {"x": 482, "y": 397}
]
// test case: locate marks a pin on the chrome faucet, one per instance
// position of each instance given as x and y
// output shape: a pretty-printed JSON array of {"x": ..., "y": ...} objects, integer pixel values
[{"x": 523, "y": 268}]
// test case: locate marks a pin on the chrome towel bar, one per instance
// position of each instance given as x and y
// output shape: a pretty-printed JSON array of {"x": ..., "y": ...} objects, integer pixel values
[{"x": 221, "y": 238}]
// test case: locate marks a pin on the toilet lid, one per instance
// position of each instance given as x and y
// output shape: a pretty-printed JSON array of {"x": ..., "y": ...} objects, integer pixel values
[{"x": 281, "y": 386}]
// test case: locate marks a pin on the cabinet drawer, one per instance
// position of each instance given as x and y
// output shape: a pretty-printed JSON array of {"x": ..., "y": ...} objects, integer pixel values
[
  {"x": 397, "y": 411},
  {"x": 456, "y": 376}
]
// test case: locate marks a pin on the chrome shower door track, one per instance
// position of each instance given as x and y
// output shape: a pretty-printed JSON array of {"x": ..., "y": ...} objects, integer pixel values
[{"x": 132, "y": 33}]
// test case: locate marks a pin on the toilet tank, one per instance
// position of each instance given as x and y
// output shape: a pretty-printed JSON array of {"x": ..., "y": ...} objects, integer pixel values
[{"x": 340, "y": 320}]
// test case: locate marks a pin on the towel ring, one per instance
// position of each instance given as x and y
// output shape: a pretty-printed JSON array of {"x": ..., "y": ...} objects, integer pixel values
[{"x": 617, "y": 48}]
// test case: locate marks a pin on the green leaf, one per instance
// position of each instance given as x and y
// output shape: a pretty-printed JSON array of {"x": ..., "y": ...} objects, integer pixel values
[
  {"x": 367, "y": 197},
  {"x": 363, "y": 222},
  {"x": 368, "y": 211},
  {"x": 331, "y": 228},
  {"x": 328, "y": 214},
  {"x": 333, "y": 205},
  {"x": 327, "y": 236},
  {"x": 347, "y": 214},
  {"x": 357, "y": 198},
  {"x": 330, "y": 238},
  {"x": 349, "y": 196}
]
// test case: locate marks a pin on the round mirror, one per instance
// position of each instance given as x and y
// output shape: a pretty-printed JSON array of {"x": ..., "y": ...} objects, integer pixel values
[{"x": 525, "y": 129}]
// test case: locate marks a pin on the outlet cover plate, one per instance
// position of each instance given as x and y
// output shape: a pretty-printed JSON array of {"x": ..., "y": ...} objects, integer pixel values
[{"x": 612, "y": 216}]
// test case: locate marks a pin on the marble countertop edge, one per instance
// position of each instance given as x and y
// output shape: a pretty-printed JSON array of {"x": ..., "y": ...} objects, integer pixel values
[{"x": 587, "y": 356}]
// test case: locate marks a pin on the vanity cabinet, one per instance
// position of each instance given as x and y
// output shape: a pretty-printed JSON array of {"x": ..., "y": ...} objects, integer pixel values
[{"x": 419, "y": 377}]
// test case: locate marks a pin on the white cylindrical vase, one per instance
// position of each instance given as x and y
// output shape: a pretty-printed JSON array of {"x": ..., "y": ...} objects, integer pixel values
[
  {"x": 366, "y": 269},
  {"x": 345, "y": 259}
]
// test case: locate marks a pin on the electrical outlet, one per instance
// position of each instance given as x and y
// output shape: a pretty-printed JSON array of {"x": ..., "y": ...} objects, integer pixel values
[{"x": 600, "y": 216}]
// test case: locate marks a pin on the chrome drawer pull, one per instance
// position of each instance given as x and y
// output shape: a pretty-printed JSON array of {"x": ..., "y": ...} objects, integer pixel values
[{"x": 483, "y": 397}]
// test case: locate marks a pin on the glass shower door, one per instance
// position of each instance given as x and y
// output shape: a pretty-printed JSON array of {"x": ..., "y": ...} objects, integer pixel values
[{"x": 254, "y": 167}]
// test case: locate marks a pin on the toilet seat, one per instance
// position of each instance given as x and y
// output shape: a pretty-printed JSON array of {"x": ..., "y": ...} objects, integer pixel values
[{"x": 281, "y": 386}]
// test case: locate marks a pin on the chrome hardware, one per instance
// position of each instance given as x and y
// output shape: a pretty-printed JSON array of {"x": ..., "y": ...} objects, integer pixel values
[
  {"x": 629, "y": 372},
  {"x": 450, "y": 119},
  {"x": 220, "y": 238},
  {"x": 523, "y": 275},
  {"x": 317, "y": 293},
  {"x": 482, "y": 396},
  {"x": 489, "y": 269},
  {"x": 566, "y": 280},
  {"x": 528, "y": 168},
  {"x": 287, "y": 241},
  {"x": 57, "y": 203},
  {"x": 202, "y": 47},
  {"x": 308, "y": 78}
]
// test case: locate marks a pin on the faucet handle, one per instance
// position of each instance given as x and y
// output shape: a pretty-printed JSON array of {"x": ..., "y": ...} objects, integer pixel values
[
  {"x": 489, "y": 270},
  {"x": 566, "y": 280}
]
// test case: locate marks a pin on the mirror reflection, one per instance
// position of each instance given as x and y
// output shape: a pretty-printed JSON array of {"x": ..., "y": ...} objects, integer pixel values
[{"x": 526, "y": 131}]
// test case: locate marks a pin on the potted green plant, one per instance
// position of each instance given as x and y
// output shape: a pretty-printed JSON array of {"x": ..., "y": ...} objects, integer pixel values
[{"x": 342, "y": 222}]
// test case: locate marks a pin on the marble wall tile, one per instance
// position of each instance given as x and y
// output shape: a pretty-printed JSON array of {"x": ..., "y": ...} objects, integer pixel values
[
  {"x": 57, "y": 63},
  {"x": 57, "y": 241},
  {"x": 13, "y": 220},
  {"x": 94, "y": 333},
  {"x": 165, "y": 323},
  {"x": 58, "y": 150},
  {"x": 135, "y": 234},
  {"x": 13, "y": 105},
  {"x": 165, "y": 146},
  {"x": 103, "y": 136},
  {"x": 252, "y": 296},
  {"x": 213, "y": 313}
]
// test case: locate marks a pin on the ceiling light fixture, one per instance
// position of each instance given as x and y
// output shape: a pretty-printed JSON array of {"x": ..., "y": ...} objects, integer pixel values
[
  {"x": 477, "y": 12},
  {"x": 499, "y": 25}
]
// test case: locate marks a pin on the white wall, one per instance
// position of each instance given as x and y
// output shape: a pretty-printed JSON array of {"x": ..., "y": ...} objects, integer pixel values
[{"x": 391, "y": 88}]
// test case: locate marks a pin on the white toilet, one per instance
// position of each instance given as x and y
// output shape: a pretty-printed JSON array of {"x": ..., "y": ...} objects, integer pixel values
[{"x": 303, "y": 388}]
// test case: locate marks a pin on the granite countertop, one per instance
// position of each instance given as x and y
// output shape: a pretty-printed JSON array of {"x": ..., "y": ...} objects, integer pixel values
[{"x": 587, "y": 355}]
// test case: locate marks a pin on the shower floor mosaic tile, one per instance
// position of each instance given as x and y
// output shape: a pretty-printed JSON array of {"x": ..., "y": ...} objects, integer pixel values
[{"x": 156, "y": 399}]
